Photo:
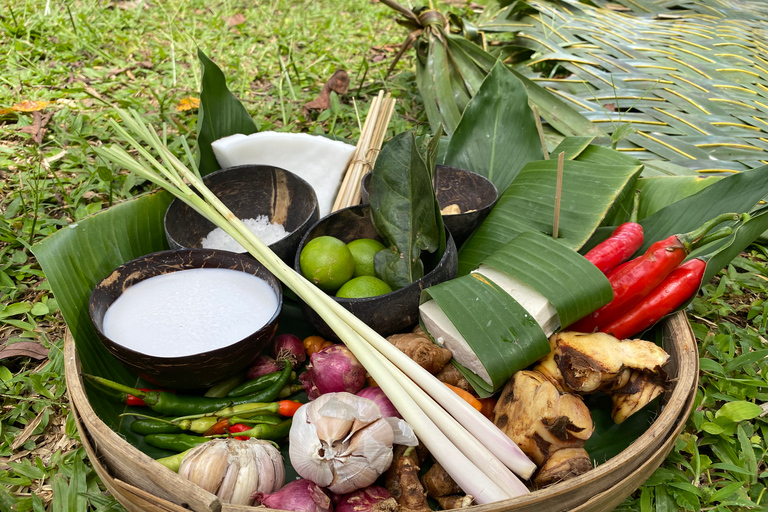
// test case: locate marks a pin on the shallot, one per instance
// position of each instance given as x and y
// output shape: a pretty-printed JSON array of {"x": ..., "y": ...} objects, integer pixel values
[
  {"x": 376, "y": 394},
  {"x": 370, "y": 499},
  {"x": 333, "y": 369},
  {"x": 297, "y": 496},
  {"x": 290, "y": 347},
  {"x": 262, "y": 365}
]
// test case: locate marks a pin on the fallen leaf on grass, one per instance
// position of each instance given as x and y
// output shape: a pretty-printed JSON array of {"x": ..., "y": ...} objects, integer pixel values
[
  {"x": 236, "y": 19},
  {"x": 24, "y": 348},
  {"x": 22, "y": 436},
  {"x": 188, "y": 103},
  {"x": 338, "y": 83},
  {"x": 29, "y": 106},
  {"x": 38, "y": 127}
]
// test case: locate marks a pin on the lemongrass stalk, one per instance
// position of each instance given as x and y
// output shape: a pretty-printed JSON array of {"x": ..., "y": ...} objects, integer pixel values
[
  {"x": 476, "y": 451},
  {"x": 465, "y": 473},
  {"x": 481, "y": 427}
]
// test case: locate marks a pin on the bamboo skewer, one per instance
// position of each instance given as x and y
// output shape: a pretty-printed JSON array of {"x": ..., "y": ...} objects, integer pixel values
[{"x": 368, "y": 147}]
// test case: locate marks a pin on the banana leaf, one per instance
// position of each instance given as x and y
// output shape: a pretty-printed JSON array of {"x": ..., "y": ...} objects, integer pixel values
[
  {"x": 571, "y": 283},
  {"x": 497, "y": 134},
  {"x": 590, "y": 188},
  {"x": 74, "y": 259},
  {"x": 220, "y": 114},
  {"x": 499, "y": 331}
]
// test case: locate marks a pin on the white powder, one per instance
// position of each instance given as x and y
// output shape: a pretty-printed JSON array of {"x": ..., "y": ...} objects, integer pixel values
[{"x": 260, "y": 226}]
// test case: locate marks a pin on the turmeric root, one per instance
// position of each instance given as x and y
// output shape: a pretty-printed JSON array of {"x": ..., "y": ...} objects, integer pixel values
[
  {"x": 438, "y": 482},
  {"x": 420, "y": 348},
  {"x": 541, "y": 421}
]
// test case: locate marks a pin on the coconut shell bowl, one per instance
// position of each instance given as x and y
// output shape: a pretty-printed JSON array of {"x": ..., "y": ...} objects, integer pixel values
[
  {"x": 202, "y": 367},
  {"x": 249, "y": 191},
  {"x": 389, "y": 313},
  {"x": 465, "y": 198}
]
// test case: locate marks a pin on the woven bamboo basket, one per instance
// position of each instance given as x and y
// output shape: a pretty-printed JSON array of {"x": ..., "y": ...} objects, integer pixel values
[{"x": 142, "y": 484}]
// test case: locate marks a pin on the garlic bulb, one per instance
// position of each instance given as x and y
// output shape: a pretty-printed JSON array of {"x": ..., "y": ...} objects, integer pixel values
[
  {"x": 234, "y": 470},
  {"x": 342, "y": 442}
]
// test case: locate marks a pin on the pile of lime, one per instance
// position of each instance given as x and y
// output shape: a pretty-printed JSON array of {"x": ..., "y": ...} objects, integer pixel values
[{"x": 343, "y": 269}]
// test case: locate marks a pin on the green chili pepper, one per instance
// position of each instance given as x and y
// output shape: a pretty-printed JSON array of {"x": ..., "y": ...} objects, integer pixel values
[
  {"x": 263, "y": 431},
  {"x": 254, "y": 385},
  {"x": 174, "y": 442},
  {"x": 173, "y": 462},
  {"x": 221, "y": 389},
  {"x": 171, "y": 404},
  {"x": 146, "y": 426}
]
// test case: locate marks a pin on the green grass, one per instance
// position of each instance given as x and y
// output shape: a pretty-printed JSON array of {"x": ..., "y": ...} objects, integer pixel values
[{"x": 82, "y": 57}]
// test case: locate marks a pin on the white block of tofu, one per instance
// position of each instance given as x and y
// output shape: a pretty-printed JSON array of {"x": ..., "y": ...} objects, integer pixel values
[
  {"x": 319, "y": 160},
  {"x": 532, "y": 301},
  {"x": 445, "y": 334}
]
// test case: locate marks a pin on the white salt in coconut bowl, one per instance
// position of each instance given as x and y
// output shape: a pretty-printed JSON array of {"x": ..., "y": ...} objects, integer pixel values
[{"x": 277, "y": 205}]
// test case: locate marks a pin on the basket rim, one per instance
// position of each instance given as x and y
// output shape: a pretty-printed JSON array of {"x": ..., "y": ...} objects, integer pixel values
[{"x": 684, "y": 386}]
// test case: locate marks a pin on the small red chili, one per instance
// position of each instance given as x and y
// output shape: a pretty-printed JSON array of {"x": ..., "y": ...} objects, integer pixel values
[
  {"x": 639, "y": 276},
  {"x": 239, "y": 427},
  {"x": 288, "y": 408},
  {"x": 218, "y": 428},
  {"x": 676, "y": 288},
  {"x": 136, "y": 401},
  {"x": 617, "y": 248}
]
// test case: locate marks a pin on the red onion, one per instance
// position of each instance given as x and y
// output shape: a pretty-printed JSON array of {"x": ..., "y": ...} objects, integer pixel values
[
  {"x": 333, "y": 370},
  {"x": 298, "y": 496},
  {"x": 288, "y": 347},
  {"x": 263, "y": 365},
  {"x": 363, "y": 500},
  {"x": 377, "y": 395}
]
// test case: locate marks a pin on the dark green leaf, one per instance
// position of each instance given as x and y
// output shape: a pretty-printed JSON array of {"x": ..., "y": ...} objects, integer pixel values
[
  {"x": 750, "y": 461},
  {"x": 497, "y": 134},
  {"x": 661, "y": 191},
  {"x": 220, "y": 114},
  {"x": 404, "y": 211}
]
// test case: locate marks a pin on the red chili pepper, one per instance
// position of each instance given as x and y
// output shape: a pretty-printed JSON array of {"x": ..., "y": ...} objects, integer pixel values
[
  {"x": 641, "y": 275},
  {"x": 288, "y": 408},
  {"x": 218, "y": 428},
  {"x": 674, "y": 290},
  {"x": 617, "y": 248},
  {"x": 239, "y": 427},
  {"x": 136, "y": 401}
]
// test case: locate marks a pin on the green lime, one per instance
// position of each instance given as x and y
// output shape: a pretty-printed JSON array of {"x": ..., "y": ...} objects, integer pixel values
[
  {"x": 363, "y": 286},
  {"x": 327, "y": 262},
  {"x": 363, "y": 250}
]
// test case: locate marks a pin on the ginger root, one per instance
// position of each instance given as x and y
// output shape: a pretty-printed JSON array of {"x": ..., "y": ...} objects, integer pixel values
[
  {"x": 451, "y": 375},
  {"x": 455, "y": 501},
  {"x": 420, "y": 348},
  {"x": 629, "y": 370},
  {"x": 402, "y": 481},
  {"x": 542, "y": 421},
  {"x": 438, "y": 482}
]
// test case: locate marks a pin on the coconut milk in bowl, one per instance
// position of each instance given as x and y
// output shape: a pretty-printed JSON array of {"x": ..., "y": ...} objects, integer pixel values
[{"x": 187, "y": 319}]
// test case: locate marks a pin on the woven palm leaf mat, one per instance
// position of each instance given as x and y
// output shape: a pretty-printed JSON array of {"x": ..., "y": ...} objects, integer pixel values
[{"x": 690, "y": 77}]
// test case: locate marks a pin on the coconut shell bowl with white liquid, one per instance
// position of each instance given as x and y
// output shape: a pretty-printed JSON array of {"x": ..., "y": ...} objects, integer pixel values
[
  {"x": 268, "y": 197},
  {"x": 186, "y": 319}
]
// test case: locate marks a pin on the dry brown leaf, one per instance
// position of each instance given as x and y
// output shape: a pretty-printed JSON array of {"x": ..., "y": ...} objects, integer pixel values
[
  {"x": 22, "y": 436},
  {"x": 188, "y": 103},
  {"x": 24, "y": 348},
  {"x": 338, "y": 83},
  {"x": 38, "y": 127},
  {"x": 236, "y": 19}
]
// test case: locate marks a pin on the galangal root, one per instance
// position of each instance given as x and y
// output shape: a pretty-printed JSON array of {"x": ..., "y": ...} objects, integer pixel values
[
  {"x": 629, "y": 370},
  {"x": 551, "y": 428},
  {"x": 420, "y": 348}
]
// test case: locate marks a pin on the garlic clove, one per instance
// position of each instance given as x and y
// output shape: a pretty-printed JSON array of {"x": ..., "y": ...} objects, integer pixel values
[
  {"x": 403, "y": 432},
  {"x": 367, "y": 455},
  {"x": 206, "y": 464},
  {"x": 307, "y": 451}
]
